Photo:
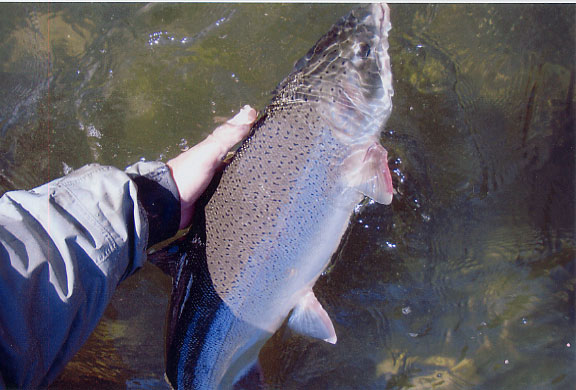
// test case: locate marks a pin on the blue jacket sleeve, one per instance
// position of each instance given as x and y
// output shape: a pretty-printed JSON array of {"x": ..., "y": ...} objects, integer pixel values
[{"x": 64, "y": 247}]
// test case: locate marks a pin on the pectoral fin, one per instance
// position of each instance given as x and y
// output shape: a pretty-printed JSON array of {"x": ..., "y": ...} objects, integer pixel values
[
  {"x": 309, "y": 318},
  {"x": 366, "y": 169}
]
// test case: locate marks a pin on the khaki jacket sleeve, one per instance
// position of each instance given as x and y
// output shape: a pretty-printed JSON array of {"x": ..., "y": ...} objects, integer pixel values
[{"x": 64, "y": 247}]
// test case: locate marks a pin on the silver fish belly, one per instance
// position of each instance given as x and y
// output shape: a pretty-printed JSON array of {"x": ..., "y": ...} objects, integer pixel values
[{"x": 283, "y": 204}]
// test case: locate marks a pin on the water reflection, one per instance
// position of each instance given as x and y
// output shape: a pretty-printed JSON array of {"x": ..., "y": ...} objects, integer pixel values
[{"x": 465, "y": 281}]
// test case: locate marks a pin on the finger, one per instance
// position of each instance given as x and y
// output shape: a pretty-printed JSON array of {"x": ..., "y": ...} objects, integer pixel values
[
  {"x": 235, "y": 129},
  {"x": 246, "y": 116}
]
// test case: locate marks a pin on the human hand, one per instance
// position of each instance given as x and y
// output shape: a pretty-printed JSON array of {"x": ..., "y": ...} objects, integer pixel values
[{"x": 193, "y": 170}]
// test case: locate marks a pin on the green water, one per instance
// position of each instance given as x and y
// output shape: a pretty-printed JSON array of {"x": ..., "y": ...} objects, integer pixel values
[{"x": 465, "y": 282}]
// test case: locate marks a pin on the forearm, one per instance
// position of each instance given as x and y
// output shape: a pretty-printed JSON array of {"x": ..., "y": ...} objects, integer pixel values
[{"x": 64, "y": 247}]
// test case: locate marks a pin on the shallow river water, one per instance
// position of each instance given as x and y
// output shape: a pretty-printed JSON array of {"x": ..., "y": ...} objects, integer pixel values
[{"x": 465, "y": 282}]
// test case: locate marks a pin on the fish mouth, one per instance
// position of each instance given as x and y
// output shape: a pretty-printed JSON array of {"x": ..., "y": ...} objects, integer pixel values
[{"x": 381, "y": 16}]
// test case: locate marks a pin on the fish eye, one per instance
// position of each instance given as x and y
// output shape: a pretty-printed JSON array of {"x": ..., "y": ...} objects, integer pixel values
[{"x": 364, "y": 51}]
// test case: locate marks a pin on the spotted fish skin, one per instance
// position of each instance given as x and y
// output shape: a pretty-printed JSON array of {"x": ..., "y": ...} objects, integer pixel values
[{"x": 282, "y": 206}]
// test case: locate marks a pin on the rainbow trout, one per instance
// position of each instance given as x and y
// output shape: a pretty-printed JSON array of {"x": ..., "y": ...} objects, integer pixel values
[{"x": 281, "y": 207}]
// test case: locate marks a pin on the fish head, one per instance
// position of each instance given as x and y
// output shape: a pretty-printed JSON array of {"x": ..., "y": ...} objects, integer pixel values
[{"x": 347, "y": 75}]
